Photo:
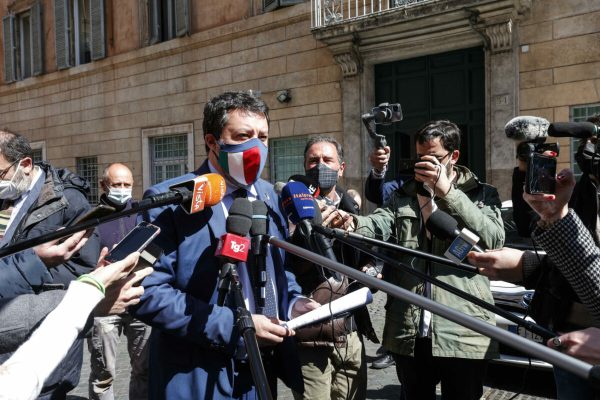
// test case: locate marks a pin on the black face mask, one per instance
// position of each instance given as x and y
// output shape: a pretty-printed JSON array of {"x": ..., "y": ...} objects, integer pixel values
[
  {"x": 588, "y": 159},
  {"x": 326, "y": 177}
]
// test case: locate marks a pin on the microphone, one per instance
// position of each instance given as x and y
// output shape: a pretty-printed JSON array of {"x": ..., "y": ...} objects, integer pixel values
[
  {"x": 311, "y": 185},
  {"x": 206, "y": 190},
  {"x": 258, "y": 233},
  {"x": 234, "y": 245},
  {"x": 526, "y": 128},
  {"x": 443, "y": 226},
  {"x": 343, "y": 305},
  {"x": 581, "y": 130},
  {"x": 300, "y": 208}
]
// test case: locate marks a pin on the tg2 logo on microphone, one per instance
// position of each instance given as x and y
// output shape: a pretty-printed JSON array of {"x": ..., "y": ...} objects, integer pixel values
[{"x": 238, "y": 247}]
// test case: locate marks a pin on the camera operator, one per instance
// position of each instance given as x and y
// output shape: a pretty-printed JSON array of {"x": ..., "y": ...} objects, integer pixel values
[{"x": 556, "y": 303}]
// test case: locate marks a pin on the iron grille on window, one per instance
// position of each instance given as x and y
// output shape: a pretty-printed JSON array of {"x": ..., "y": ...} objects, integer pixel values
[
  {"x": 168, "y": 157},
  {"x": 37, "y": 155},
  {"x": 87, "y": 168},
  {"x": 580, "y": 114},
  {"x": 287, "y": 157}
]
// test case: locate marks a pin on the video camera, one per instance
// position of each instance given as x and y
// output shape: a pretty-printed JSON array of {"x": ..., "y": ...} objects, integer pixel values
[{"x": 384, "y": 114}]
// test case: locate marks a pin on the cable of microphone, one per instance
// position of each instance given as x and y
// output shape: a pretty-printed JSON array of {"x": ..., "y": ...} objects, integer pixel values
[
  {"x": 258, "y": 233},
  {"x": 581, "y": 130},
  {"x": 445, "y": 227},
  {"x": 207, "y": 190},
  {"x": 526, "y": 128}
]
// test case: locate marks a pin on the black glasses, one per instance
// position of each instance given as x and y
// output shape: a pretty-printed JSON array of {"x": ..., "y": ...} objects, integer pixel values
[{"x": 5, "y": 171}]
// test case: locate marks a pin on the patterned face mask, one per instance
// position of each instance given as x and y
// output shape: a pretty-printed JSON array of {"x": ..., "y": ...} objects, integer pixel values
[
  {"x": 325, "y": 176},
  {"x": 243, "y": 162}
]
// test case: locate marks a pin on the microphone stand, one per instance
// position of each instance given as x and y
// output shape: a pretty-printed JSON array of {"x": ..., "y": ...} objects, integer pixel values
[
  {"x": 530, "y": 326},
  {"x": 229, "y": 282},
  {"x": 341, "y": 235},
  {"x": 573, "y": 365},
  {"x": 143, "y": 205}
]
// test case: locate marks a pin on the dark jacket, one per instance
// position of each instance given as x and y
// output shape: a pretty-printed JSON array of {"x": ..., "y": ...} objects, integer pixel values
[
  {"x": 554, "y": 297},
  {"x": 378, "y": 191},
  {"x": 57, "y": 202},
  {"x": 113, "y": 232}
]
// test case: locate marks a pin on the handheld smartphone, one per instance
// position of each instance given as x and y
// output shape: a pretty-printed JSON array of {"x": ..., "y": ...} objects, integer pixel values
[
  {"x": 540, "y": 177},
  {"x": 136, "y": 240},
  {"x": 99, "y": 211}
]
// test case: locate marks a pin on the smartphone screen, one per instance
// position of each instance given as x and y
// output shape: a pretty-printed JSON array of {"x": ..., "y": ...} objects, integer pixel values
[
  {"x": 136, "y": 240},
  {"x": 541, "y": 174}
]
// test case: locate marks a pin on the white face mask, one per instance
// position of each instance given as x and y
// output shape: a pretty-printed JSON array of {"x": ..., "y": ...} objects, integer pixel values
[
  {"x": 13, "y": 189},
  {"x": 119, "y": 195}
]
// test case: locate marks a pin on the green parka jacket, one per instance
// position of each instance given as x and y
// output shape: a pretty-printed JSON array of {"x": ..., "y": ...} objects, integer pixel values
[{"x": 474, "y": 205}]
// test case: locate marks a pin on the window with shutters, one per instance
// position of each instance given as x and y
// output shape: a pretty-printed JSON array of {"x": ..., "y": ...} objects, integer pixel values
[
  {"x": 80, "y": 31},
  {"x": 167, "y": 19},
  {"x": 87, "y": 168},
  {"x": 286, "y": 157},
  {"x": 22, "y": 36}
]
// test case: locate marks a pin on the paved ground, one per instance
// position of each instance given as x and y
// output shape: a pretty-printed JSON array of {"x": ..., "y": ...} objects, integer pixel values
[{"x": 382, "y": 384}]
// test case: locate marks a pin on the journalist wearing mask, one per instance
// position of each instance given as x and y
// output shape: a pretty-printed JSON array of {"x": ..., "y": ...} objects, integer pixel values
[
  {"x": 38, "y": 199},
  {"x": 117, "y": 186}
]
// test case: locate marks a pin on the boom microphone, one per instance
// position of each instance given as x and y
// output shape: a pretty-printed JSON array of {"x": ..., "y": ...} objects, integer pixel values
[
  {"x": 207, "y": 190},
  {"x": 443, "y": 226},
  {"x": 526, "y": 128},
  {"x": 581, "y": 130}
]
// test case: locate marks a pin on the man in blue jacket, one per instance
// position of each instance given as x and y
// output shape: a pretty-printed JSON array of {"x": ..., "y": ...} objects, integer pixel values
[{"x": 195, "y": 350}]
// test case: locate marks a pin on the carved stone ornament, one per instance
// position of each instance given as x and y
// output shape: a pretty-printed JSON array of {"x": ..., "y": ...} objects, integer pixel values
[
  {"x": 332, "y": 11},
  {"x": 500, "y": 36},
  {"x": 350, "y": 63}
]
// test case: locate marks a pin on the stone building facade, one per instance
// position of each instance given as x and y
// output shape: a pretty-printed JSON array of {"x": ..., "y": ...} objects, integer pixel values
[{"x": 127, "y": 80}]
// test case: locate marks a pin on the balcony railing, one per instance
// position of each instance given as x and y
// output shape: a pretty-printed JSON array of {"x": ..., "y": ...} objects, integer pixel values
[{"x": 330, "y": 12}]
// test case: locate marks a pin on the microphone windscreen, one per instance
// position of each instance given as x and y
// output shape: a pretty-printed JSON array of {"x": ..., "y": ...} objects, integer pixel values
[
  {"x": 581, "y": 130},
  {"x": 526, "y": 128},
  {"x": 442, "y": 225},
  {"x": 297, "y": 202},
  {"x": 311, "y": 184},
  {"x": 259, "y": 218},
  {"x": 278, "y": 186},
  {"x": 215, "y": 189},
  {"x": 239, "y": 220}
]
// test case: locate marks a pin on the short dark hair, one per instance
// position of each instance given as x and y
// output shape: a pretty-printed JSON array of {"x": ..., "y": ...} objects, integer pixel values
[
  {"x": 594, "y": 119},
  {"x": 447, "y": 131},
  {"x": 216, "y": 111},
  {"x": 13, "y": 146},
  {"x": 326, "y": 139}
]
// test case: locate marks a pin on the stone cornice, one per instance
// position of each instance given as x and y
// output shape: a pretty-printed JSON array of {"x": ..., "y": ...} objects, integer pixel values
[{"x": 428, "y": 25}]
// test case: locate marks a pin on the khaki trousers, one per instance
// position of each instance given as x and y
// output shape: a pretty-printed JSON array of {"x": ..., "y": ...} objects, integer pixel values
[{"x": 334, "y": 373}]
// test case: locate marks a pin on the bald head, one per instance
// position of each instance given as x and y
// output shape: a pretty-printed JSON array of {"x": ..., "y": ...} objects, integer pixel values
[{"x": 116, "y": 175}]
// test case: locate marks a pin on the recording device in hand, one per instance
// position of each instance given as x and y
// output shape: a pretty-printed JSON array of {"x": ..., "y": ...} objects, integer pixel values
[
  {"x": 384, "y": 114},
  {"x": 445, "y": 227},
  {"x": 540, "y": 177},
  {"x": 99, "y": 211},
  {"x": 136, "y": 240}
]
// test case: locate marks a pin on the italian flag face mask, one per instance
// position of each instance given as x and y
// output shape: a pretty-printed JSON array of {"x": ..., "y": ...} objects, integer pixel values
[{"x": 243, "y": 162}]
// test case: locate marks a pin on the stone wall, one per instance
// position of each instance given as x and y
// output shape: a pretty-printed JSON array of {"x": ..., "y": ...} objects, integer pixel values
[{"x": 99, "y": 109}]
